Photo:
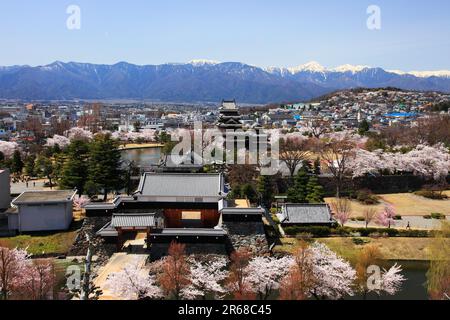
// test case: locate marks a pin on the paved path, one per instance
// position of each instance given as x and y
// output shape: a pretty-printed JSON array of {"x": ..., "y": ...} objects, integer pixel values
[
  {"x": 418, "y": 223},
  {"x": 35, "y": 185},
  {"x": 115, "y": 264}
]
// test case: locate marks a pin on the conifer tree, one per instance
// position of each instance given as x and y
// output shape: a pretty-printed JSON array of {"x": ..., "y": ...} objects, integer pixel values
[
  {"x": 75, "y": 169},
  {"x": 104, "y": 165}
]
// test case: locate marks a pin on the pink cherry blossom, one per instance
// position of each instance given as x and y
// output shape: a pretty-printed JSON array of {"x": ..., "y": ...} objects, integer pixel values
[
  {"x": 8, "y": 148},
  {"x": 206, "y": 278},
  {"x": 61, "y": 141},
  {"x": 132, "y": 283}
]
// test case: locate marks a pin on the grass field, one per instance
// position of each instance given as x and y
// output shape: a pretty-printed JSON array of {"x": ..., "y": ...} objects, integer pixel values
[
  {"x": 58, "y": 243},
  {"x": 391, "y": 248},
  {"x": 406, "y": 204}
]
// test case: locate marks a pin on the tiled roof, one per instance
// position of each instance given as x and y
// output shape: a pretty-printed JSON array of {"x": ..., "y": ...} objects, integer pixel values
[
  {"x": 181, "y": 185},
  {"x": 307, "y": 214},
  {"x": 242, "y": 211},
  {"x": 133, "y": 220}
]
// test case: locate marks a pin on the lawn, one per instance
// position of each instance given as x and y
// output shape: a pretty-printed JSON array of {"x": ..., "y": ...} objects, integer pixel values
[
  {"x": 57, "y": 243},
  {"x": 391, "y": 248},
  {"x": 406, "y": 204}
]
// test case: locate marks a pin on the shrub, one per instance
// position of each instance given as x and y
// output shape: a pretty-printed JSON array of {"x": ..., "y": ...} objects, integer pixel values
[
  {"x": 438, "y": 216},
  {"x": 414, "y": 233},
  {"x": 317, "y": 231},
  {"x": 304, "y": 236},
  {"x": 430, "y": 194},
  {"x": 367, "y": 197},
  {"x": 361, "y": 219},
  {"x": 428, "y": 217},
  {"x": 398, "y": 217},
  {"x": 359, "y": 241}
]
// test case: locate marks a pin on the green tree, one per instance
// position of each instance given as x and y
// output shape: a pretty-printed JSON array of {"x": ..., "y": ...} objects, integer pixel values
[
  {"x": 45, "y": 168},
  {"x": 314, "y": 191},
  {"x": 265, "y": 189},
  {"x": 75, "y": 169},
  {"x": 248, "y": 191},
  {"x": 30, "y": 166},
  {"x": 104, "y": 165},
  {"x": 364, "y": 127},
  {"x": 17, "y": 163},
  {"x": 317, "y": 167},
  {"x": 298, "y": 192}
]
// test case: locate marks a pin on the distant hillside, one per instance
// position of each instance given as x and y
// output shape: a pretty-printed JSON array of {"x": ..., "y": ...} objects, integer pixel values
[{"x": 199, "y": 81}]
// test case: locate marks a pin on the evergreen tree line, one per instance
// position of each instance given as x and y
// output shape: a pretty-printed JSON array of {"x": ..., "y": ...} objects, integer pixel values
[{"x": 93, "y": 167}]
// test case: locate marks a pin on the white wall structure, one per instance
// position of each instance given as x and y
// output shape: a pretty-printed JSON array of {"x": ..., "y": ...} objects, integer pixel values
[
  {"x": 5, "y": 190},
  {"x": 42, "y": 211}
]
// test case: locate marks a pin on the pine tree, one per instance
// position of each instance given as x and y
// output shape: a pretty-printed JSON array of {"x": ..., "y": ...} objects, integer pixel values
[
  {"x": 75, "y": 169},
  {"x": 248, "y": 191},
  {"x": 265, "y": 189},
  {"x": 17, "y": 163},
  {"x": 298, "y": 192},
  {"x": 104, "y": 170},
  {"x": 314, "y": 191},
  {"x": 30, "y": 169}
]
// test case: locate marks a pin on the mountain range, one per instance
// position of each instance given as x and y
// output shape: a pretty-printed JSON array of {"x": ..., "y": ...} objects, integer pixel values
[{"x": 202, "y": 80}]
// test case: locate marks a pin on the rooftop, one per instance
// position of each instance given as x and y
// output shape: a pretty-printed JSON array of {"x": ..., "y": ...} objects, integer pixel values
[
  {"x": 45, "y": 196},
  {"x": 181, "y": 185},
  {"x": 142, "y": 220},
  {"x": 307, "y": 214}
]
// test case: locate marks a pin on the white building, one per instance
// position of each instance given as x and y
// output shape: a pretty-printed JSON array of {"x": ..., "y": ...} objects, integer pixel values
[{"x": 42, "y": 211}]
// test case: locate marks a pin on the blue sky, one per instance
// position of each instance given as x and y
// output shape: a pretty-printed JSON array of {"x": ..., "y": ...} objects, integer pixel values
[{"x": 414, "y": 35}]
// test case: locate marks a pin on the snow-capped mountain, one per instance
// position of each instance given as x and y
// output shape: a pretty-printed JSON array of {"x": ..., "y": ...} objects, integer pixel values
[{"x": 202, "y": 80}]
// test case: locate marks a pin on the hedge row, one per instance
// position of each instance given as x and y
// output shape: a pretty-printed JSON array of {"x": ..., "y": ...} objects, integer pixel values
[{"x": 322, "y": 232}]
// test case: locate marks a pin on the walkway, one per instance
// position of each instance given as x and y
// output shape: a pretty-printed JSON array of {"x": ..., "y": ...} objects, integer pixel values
[{"x": 115, "y": 264}]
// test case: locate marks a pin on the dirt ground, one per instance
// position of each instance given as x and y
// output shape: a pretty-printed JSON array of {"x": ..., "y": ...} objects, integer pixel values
[{"x": 406, "y": 204}]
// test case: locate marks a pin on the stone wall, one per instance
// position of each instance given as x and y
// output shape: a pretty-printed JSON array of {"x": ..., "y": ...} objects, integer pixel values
[
  {"x": 159, "y": 250},
  {"x": 90, "y": 226},
  {"x": 249, "y": 235}
]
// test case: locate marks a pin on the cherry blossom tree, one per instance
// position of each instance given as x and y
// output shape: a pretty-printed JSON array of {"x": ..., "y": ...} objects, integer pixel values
[
  {"x": 342, "y": 210},
  {"x": 391, "y": 280},
  {"x": 80, "y": 134},
  {"x": 206, "y": 277},
  {"x": 38, "y": 280},
  {"x": 386, "y": 218},
  {"x": 13, "y": 266},
  {"x": 264, "y": 274},
  {"x": 333, "y": 276},
  {"x": 7, "y": 148},
  {"x": 133, "y": 283},
  {"x": 427, "y": 161},
  {"x": 80, "y": 201},
  {"x": 318, "y": 272},
  {"x": 61, "y": 141}
]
